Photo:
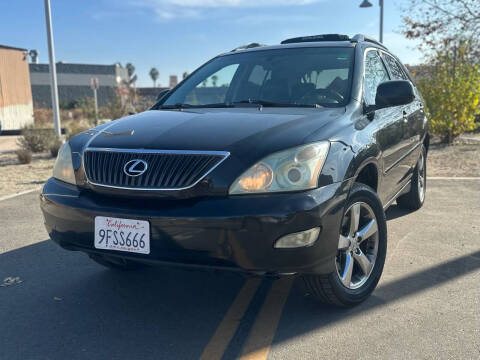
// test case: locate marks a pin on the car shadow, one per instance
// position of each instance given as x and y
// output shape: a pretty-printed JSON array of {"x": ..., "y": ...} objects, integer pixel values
[
  {"x": 68, "y": 307},
  {"x": 304, "y": 314},
  {"x": 395, "y": 212}
]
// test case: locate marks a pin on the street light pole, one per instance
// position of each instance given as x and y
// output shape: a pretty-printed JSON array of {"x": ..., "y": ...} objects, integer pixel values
[
  {"x": 367, "y": 4},
  {"x": 53, "y": 70},
  {"x": 380, "y": 2}
]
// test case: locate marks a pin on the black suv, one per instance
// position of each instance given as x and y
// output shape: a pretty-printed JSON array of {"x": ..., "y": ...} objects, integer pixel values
[{"x": 267, "y": 159}]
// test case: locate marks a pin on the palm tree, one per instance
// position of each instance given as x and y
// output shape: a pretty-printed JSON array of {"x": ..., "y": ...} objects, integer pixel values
[
  {"x": 214, "y": 80},
  {"x": 204, "y": 83},
  {"x": 130, "y": 70},
  {"x": 154, "y": 75}
]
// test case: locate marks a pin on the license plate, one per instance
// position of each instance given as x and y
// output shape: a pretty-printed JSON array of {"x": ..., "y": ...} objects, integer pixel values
[{"x": 122, "y": 235}]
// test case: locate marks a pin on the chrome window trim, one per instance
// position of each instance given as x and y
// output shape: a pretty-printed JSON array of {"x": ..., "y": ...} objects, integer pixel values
[{"x": 225, "y": 155}]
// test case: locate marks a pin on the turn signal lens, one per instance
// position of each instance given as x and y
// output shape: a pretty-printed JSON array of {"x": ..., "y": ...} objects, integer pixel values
[{"x": 257, "y": 178}]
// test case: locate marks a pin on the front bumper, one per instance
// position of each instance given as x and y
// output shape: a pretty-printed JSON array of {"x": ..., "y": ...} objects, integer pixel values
[{"x": 235, "y": 232}]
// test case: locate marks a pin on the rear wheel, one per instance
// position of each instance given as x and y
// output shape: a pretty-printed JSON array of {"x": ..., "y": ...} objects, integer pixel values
[
  {"x": 362, "y": 247},
  {"x": 414, "y": 199},
  {"x": 116, "y": 263}
]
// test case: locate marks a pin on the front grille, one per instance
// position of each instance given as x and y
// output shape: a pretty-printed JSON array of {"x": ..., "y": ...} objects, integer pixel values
[{"x": 167, "y": 170}]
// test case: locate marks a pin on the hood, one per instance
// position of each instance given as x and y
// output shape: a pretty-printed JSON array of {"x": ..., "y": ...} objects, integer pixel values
[{"x": 244, "y": 132}]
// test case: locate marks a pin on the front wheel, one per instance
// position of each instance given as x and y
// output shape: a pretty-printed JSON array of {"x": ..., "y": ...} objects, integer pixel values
[{"x": 362, "y": 247}]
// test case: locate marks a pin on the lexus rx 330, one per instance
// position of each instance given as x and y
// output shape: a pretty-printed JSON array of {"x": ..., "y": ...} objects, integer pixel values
[{"x": 267, "y": 159}]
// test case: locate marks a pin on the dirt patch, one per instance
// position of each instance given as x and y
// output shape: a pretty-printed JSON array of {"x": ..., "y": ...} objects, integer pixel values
[
  {"x": 15, "y": 177},
  {"x": 459, "y": 160},
  {"x": 8, "y": 143}
]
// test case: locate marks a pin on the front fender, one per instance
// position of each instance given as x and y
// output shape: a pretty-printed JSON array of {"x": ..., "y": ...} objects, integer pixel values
[{"x": 338, "y": 164}]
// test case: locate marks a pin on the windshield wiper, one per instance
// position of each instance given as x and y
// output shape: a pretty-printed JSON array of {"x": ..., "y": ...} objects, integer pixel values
[
  {"x": 189, "y": 106},
  {"x": 273, "y": 104}
]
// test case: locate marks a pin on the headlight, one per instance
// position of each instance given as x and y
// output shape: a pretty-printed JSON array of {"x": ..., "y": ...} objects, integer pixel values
[
  {"x": 63, "y": 169},
  {"x": 290, "y": 170}
]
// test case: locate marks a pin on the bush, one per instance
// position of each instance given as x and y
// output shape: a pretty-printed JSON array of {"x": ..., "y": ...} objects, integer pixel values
[
  {"x": 451, "y": 93},
  {"x": 114, "y": 109},
  {"x": 55, "y": 147},
  {"x": 43, "y": 117},
  {"x": 24, "y": 156},
  {"x": 86, "y": 106},
  {"x": 36, "y": 140},
  {"x": 75, "y": 127}
]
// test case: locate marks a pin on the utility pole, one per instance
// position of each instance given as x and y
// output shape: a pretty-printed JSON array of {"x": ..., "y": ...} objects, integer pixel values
[
  {"x": 53, "y": 70},
  {"x": 94, "y": 84}
]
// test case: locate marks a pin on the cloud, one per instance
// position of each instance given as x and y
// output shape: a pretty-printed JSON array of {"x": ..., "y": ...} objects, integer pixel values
[
  {"x": 258, "y": 19},
  {"x": 170, "y": 9}
]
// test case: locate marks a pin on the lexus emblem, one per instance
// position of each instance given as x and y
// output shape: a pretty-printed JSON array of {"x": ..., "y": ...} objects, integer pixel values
[{"x": 135, "y": 167}]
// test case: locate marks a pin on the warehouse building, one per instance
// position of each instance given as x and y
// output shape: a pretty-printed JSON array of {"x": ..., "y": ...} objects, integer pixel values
[
  {"x": 16, "y": 110},
  {"x": 74, "y": 82}
]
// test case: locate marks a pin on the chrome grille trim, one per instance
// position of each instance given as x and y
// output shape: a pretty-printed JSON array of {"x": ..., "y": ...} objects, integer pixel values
[{"x": 113, "y": 177}]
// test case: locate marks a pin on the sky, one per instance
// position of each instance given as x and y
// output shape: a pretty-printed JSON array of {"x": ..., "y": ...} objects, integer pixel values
[{"x": 179, "y": 35}]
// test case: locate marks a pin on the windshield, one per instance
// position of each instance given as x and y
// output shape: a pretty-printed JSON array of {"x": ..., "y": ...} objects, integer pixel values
[{"x": 284, "y": 77}]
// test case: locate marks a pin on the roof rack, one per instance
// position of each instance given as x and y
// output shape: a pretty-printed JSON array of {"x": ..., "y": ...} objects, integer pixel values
[
  {"x": 315, "y": 38},
  {"x": 361, "y": 37},
  {"x": 248, "y": 46}
]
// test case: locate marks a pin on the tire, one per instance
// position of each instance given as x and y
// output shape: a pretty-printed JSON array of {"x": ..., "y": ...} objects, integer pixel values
[
  {"x": 365, "y": 242},
  {"x": 116, "y": 263},
  {"x": 414, "y": 199}
]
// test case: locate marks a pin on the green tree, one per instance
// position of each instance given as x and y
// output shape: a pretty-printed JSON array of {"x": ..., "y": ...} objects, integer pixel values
[
  {"x": 154, "y": 75},
  {"x": 451, "y": 90}
]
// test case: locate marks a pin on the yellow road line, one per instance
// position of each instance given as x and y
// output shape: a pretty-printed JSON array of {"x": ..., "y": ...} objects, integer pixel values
[
  {"x": 227, "y": 328},
  {"x": 261, "y": 336}
]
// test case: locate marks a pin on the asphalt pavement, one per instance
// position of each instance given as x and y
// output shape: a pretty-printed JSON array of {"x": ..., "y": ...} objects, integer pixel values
[{"x": 58, "y": 304}]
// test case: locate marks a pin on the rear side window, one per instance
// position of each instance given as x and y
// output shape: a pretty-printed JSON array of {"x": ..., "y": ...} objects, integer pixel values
[
  {"x": 395, "y": 69},
  {"x": 375, "y": 74}
]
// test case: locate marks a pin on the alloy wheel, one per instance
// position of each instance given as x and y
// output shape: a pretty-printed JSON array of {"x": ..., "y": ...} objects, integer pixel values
[
  {"x": 357, "y": 245},
  {"x": 421, "y": 177}
]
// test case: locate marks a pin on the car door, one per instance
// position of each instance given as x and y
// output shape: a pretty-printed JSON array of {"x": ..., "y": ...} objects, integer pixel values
[
  {"x": 389, "y": 124},
  {"x": 413, "y": 113}
]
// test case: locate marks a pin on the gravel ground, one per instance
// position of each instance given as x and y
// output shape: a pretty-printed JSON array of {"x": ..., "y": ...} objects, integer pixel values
[
  {"x": 461, "y": 160},
  {"x": 15, "y": 177}
]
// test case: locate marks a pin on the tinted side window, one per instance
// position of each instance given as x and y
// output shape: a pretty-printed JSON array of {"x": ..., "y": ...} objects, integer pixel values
[
  {"x": 395, "y": 68},
  {"x": 375, "y": 74}
]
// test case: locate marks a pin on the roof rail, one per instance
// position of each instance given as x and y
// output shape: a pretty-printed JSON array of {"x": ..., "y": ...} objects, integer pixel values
[
  {"x": 361, "y": 37},
  {"x": 248, "y": 46},
  {"x": 315, "y": 38}
]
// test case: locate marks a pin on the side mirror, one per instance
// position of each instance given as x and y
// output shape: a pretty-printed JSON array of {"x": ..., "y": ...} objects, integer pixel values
[
  {"x": 394, "y": 93},
  {"x": 162, "y": 93}
]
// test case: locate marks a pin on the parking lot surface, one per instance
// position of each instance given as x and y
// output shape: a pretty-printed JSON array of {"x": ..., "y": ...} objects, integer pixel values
[{"x": 60, "y": 305}]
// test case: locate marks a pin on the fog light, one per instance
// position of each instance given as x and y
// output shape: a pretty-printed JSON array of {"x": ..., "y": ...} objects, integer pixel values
[{"x": 300, "y": 239}]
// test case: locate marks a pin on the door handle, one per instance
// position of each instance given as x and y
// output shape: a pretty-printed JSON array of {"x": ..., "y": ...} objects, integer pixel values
[{"x": 405, "y": 118}]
